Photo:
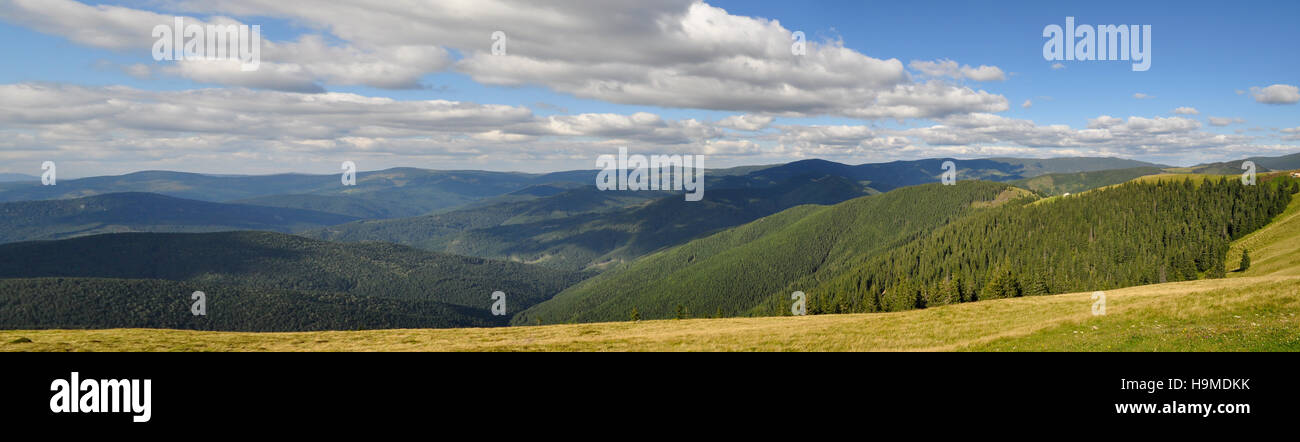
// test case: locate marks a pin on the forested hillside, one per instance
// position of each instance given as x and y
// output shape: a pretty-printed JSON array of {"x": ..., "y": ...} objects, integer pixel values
[
  {"x": 1285, "y": 162},
  {"x": 1062, "y": 183},
  {"x": 40, "y": 303},
  {"x": 146, "y": 212},
  {"x": 360, "y": 207},
  {"x": 1132, "y": 234},
  {"x": 884, "y": 177},
  {"x": 434, "y": 231},
  {"x": 731, "y": 272},
  {"x": 272, "y": 261},
  {"x": 601, "y": 239}
]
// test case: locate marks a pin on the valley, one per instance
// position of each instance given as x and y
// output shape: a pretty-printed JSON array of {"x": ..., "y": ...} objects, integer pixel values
[{"x": 723, "y": 286}]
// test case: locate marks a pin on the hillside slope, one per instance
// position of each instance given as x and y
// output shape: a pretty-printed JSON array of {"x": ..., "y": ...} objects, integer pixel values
[
  {"x": 730, "y": 272},
  {"x": 601, "y": 239},
  {"x": 41, "y": 303},
  {"x": 1134, "y": 234},
  {"x": 1061, "y": 183},
  {"x": 272, "y": 261},
  {"x": 435, "y": 231}
]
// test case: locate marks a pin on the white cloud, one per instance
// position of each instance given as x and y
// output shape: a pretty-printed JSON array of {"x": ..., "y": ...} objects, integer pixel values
[
  {"x": 1056, "y": 66},
  {"x": 1224, "y": 121},
  {"x": 144, "y": 127},
  {"x": 674, "y": 53},
  {"x": 1027, "y": 104},
  {"x": 259, "y": 130},
  {"x": 1142, "y": 96},
  {"x": 1276, "y": 94},
  {"x": 1186, "y": 111},
  {"x": 949, "y": 68},
  {"x": 747, "y": 122},
  {"x": 298, "y": 66}
]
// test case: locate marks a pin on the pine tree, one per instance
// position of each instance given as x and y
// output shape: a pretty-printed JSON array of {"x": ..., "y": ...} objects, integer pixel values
[
  {"x": 1036, "y": 286},
  {"x": 1245, "y": 260}
]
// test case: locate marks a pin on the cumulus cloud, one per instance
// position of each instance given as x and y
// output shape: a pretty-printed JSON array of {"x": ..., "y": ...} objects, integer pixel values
[
  {"x": 1027, "y": 104},
  {"x": 1186, "y": 111},
  {"x": 1276, "y": 94},
  {"x": 747, "y": 122},
  {"x": 1224, "y": 121},
  {"x": 243, "y": 129},
  {"x": 949, "y": 68},
  {"x": 144, "y": 127},
  {"x": 1158, "y": 138},
  {"x": 676, "y": 53},
  {"x": 304, "y": 65}
]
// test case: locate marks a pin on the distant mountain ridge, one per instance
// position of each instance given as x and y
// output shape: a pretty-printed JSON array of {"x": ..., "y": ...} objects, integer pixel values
[
  {"x": 12, "y": 177},
  {"x": 398, "y": 191},
  {"x": 585, "y": 227},
  {"x": 147, "y": 212},
  {"x": 892, "y": 175}
]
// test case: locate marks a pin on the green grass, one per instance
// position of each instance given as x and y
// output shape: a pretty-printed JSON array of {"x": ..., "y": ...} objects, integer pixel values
[{"x": 1274, "y": 249}]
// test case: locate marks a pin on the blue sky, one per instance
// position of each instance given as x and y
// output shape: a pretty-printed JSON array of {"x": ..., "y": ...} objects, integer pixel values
[{"x": 581, "y": 80}]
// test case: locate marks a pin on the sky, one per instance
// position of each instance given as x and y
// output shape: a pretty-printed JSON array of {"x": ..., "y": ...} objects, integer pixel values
[{"x": 426, "y": 84}]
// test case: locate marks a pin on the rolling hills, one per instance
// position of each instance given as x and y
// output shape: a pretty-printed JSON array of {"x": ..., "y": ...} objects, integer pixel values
[
  {"x": 1255, "y": 310},
  {"x": 731, "y": 272},
  {"x": 884, "y": 177},
  {"x": 574, "y": 231},
  {"x": 390, "y": 192},
  {"x": 257, "y": 263},
  {"x": 435, "y": 231},
  {"x": 1133, "y": 234},
  {"x": 1053, "y": 184},
  {"x": 878, "y": 253},
  {"x": 146, "y": 212}
]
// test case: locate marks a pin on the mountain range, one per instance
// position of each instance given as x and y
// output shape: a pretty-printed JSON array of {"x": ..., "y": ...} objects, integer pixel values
[{"x": 424, "y": 248}]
